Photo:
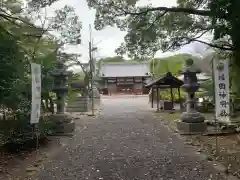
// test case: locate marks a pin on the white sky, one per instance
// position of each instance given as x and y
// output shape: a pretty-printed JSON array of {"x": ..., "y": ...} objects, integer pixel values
[{"x": 110, "y": 38}]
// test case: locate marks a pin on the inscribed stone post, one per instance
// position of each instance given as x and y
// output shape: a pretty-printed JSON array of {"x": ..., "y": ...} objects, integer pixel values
[{"x": 221, "y": 77}]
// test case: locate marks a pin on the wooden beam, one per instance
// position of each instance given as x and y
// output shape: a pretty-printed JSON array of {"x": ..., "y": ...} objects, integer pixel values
[
  {"x": 179, "y": 94},
  {"x": 180, "y": 100},
  {"x": 172, "y": 98}
]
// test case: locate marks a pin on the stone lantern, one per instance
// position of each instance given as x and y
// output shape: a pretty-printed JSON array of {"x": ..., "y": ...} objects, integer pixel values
[
  {"x": 191, "y": 121},
  {"x": 63, "y": 121}
]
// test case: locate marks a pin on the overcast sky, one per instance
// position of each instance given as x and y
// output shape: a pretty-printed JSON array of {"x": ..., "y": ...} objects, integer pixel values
[{"x": 110, "y": 38}]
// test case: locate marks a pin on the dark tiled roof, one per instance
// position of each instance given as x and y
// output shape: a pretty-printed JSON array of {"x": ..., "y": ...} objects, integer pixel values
[
  {"x": 124, "y": 70},
  {"x": 167, "y": 80}
]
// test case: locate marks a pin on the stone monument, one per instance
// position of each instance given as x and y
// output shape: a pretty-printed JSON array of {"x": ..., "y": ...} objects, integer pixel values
[
  {"x": 191, "y": 121},
  {"x": 63, "y": 122}
]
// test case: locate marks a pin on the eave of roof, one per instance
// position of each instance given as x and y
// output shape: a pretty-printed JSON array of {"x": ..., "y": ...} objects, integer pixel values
[
  {"x": 174, "y": 82},
  {"x": 124, "y": 70}
]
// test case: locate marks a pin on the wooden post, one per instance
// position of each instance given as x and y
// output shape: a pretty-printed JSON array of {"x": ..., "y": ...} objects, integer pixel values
[
  {"x": 172, "y": 96},
  {"x": 179, "y": 97},
  {"x": 160, "y": 98},
  {"x": 152, "y": 95},
  {"x": 179, "y": 94},
  {"x": 157, "y": 99}
]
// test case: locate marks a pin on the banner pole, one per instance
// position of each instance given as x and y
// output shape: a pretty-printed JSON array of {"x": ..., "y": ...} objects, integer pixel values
[{"x": 37, "y": 136}]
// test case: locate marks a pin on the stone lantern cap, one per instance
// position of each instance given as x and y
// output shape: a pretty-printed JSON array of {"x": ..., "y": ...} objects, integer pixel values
[
  {"x": 190, "y": 67},
  {"x": 60, "y": 69}
]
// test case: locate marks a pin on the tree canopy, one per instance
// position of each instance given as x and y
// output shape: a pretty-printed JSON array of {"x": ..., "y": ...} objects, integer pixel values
[
  {"x": 152, "y": 28},
  {"x": 171, "y": 64},
  {"x": 28, "y": 35}
]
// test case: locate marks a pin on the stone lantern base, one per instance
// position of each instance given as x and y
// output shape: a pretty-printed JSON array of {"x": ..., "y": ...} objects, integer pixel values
[
  {"x": 191, "y": 123},
  {"x": 192, "y": 117},
  {"x": 63, "y": 123},
  {"x": 191, "y": 128}
]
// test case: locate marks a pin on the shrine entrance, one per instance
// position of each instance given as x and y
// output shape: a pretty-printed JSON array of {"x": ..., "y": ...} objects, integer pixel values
[{"x": 125, "y": 89}]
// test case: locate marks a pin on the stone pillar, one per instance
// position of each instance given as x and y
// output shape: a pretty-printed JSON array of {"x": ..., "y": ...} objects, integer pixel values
[
  {"x": 63, "y": 122},
  {"x": 94, "y": 93},
  {"x": 60, "y": 102},
  {"x": 191, "y": 121}
]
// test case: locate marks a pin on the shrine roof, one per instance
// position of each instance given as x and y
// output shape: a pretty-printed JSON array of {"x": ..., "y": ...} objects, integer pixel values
[
  {"x": 167, "y": 81},
  {"x": 120, "y": 69}
]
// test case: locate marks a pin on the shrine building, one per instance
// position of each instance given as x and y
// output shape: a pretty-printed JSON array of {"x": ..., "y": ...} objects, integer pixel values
[{"x": 124, "y": 77}]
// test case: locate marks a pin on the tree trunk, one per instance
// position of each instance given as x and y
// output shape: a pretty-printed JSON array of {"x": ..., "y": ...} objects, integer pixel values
[
  {"x": 235, "y": 66},
  {"x": 47, "y": 103},
  {"x": 86, "y": 81},
  {"x": 43, "y": 105},
  {"x": 51, "y": 105}
]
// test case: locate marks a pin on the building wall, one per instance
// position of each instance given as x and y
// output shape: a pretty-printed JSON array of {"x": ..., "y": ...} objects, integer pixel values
[
  {"x": 138, "y": 87},
  {"x": 129, "y": 85}
]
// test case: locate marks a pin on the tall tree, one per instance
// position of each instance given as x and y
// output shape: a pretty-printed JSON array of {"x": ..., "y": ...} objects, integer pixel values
[
  {"x": 110, "y": 59},
  {"x": 11, "y": 67},
  {"x": 24, "y": 42},
  {"x": 171, "y": 64},
  {"x": 151, "y": 28}
]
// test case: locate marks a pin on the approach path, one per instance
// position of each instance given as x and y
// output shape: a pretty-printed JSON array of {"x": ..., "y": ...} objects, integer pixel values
[{"x": 125, "y": 142}]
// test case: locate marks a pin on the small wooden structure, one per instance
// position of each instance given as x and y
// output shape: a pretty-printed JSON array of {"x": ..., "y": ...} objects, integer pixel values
[
  {"x": 124, "y": 78},
  {"x": 168, "y": 81}
]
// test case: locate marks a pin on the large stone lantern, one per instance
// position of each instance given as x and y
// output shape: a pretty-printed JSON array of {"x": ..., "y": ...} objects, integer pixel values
[
  {"x": 63, "y": 121},
  {"x": 191, "y": 121}
]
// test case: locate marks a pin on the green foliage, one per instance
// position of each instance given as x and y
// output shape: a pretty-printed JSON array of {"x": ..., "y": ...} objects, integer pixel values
[
  {"x": 23, "y": 42},
  {"x": 79, "y": 79},
  {"x": 116, "y": 59},
  {"x": 171, "y": 64},
  {"x": 110, "y": 59},
  {"x": 151, "y": 28},
  {"x": 166, "y": 95},
  {"x": 67, "y": 24},
  {"x": 19, "y": 133},
  {"x": 11, "y": 68},
  {"x": 209, "y": 89},
  {"x": 37, "y": 4}
]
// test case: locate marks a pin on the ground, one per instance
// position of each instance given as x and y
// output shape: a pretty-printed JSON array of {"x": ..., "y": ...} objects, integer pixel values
[{"x": 126, "y": 142}]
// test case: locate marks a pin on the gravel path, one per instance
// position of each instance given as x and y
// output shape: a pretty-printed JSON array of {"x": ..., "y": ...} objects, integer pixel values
[{"x": 126, "y": 143}]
